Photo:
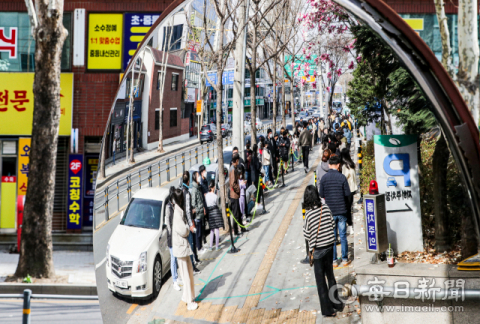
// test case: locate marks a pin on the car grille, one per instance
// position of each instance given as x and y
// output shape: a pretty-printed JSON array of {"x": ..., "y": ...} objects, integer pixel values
[{"x": 122, "y": 269}]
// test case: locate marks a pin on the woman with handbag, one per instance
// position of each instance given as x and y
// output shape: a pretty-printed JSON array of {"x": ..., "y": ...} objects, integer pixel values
[{"x": 318, "y": 231}]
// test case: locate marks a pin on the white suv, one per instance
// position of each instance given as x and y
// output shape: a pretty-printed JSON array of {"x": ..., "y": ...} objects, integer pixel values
[{"x": 137, "y": 252}]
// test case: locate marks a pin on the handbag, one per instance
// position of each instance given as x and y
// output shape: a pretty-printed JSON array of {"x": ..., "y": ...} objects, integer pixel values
[{"x": 310, "y": 257}]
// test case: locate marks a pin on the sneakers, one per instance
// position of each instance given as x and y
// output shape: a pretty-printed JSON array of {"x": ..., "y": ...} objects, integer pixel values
[
  {"x": 244, "y": 220},
  {"x": 176, "y": 286},
  {"x": 196, "y": 271},
  {"x": 218, "y": 248},
  {"x": 346, "y": 263},
  {"x": 192, "y": 306},
  {"x": 179, "y": 281},
  {"x": 335, "y": 264},
  {"x": 202, "y": 251}
]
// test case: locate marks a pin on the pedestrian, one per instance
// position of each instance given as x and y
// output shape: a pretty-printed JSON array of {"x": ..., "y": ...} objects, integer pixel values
[
  {"x": 266, "y": 159},
  {"x": 271, "y": 139},
  {"x": 305, "y": 140},
  {"x": 334, "y": 189},
  {"x": 204, "y": 188},
  {"x": 348, "y": 170},
  {"x": 248, "y": 158},
  {"x": 182, "y": 251},
  {"x": 240, "y": 160},
  {"x": 295, "y": 149},
  {"x": 323, "y": 167},
  {"x": 347, "y": 133},
  {"x": 284, "y": 146},
  {"x": 198, "y": 210},
  {"x": 215, "y": 219},
  {"x": 243, "y": 188},
  {"x": 114, "y": 148},
  {"x": 169, "y": 211},
  {"x": 235, "y": 195},
  {"x": 187, "y": 200},
  {"x": 315, "y": 134},
  {"x": 255, "y": 166},
  {"x": 318, "y": 231}
]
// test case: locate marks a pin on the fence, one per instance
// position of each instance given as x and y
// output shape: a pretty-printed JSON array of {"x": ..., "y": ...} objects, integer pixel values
[{"x": 114, "y": 196}]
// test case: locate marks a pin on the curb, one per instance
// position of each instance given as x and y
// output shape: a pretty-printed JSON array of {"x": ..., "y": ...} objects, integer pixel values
[
  {"x": 49, "y": 289},
  {"x": 139, "y": 164}
]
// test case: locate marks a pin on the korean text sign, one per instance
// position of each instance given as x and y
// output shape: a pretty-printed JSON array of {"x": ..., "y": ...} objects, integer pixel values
[
  {"x": 137, "y": 26},
  {"x": 396, "y": 168},
  {"x": 16, "y": 103},
  {"x": 371, "y": 225},
  {"x": 23, "y": 165},
  {"x": 91, "y": 167},
  {"x": 105, "y": 36},
  {"x": 74, "y": 208}
]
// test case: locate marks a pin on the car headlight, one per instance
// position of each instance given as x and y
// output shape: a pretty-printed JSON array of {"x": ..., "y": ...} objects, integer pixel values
[
  {"x": 142, "y": 262},
  {"x": 108, "y": 255}
]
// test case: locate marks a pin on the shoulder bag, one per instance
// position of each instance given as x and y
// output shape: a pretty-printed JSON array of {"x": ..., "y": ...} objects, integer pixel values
[{"x": 318, "y": 230}]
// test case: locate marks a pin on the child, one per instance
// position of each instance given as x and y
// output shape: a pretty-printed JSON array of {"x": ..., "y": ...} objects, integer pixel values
[
  {"x": 215, "y": 218},
  {"x": 242, "y": 183}
]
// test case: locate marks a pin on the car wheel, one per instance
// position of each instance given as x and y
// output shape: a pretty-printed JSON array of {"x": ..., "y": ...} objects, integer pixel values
[{"x": 157, "y": 277}]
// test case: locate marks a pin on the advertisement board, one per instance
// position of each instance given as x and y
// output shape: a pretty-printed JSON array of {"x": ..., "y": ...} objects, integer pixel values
[
  {"x": 16, "y": 103},
  {"x": 91, "y": 168},
  {"x": 105, "y": 40},
  {"x": 23, "y": 165},
  {"x": 136, "y": 27},
  {"x": 74, "y": 207},
  {"x": 396, "y": 166}
]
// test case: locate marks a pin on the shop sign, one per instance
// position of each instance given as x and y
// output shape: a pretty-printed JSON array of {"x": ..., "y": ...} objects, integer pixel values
[
  {"x": 136, "y": 27},
  {"x": 199, "y": 107},
  {"x": 396, "y": 166},
  {"x": 75, "y": 173},
  {"x": 190, "y": 95},
  {"x": 9, "y": 44},
  {"x": 91, "y": 168},
  {"x": 23, "y": 165},
  {"x": 16, "y": 103},
  {"x": 105, "y": 36}
]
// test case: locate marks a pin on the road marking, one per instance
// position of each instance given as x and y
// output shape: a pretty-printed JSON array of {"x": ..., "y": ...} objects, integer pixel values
[
  {"x": 130, "y": 310},
  {"x": 52, "y": 301},
  {"x": 98, "y": 265}
]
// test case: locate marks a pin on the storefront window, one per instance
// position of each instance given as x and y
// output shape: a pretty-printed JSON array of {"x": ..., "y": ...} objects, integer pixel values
[{"x": 25, "y": 47}]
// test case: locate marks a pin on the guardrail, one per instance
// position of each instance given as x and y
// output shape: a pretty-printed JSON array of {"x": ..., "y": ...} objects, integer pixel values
[
  {"x": 155, "y": 174},
  {"x": 27, "y": 296}
]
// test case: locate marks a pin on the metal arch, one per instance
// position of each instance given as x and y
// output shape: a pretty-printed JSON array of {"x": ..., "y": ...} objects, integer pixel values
[{"x": 448, "y": 105}]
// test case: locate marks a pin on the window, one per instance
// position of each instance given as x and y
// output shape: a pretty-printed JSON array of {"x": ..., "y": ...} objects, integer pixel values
[
  {"x": 176, "y": 37},
  {"x": 247, "y": 74},
  {"x": 159, "y": 78},
  {"x": 157, "y": 119},
  {"x": 230, "y": 93},
  {"x": 173, "y": 117},
  {"x": 24, "y": 61},
  {"x": 174, "y": 82},
  {"x": 247, "y": 92},
  {"x": 214, "y": 95}
]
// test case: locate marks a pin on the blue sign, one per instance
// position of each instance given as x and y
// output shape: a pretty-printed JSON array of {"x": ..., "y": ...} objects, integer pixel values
[
  {"x": 74, "y": 207},
  {"x": 91, "y": 167},
  {"x": 371, "y": 225},
  {"x": 136, "y": 26},
  {"x": 405, "y": 171},
  {"x": 227, "y": 77},
  {"x": 213, "y": 77}
]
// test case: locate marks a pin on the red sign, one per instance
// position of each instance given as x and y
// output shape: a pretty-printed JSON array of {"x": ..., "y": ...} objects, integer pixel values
[
  {"x": 75, "y": 166},
  {"x": 9, "y": 44},
  {"x": 11, "y": 179}
]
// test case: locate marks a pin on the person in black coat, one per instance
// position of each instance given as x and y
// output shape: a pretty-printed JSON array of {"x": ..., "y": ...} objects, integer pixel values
[
  {"x": 274, "y": 158},
  {"x": 255, "y": 166}
]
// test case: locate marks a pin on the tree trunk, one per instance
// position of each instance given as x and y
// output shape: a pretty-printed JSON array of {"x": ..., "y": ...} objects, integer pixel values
[
  {"x": 274, "y": 96},
  {"x": 222, "y": 183},
  {"x": 36, "y": 244},
  {"x": 253, "y": 103},
  {"x": 292, "y": 106},
  {"x": 439, "y": 164},
  {"x": 445, "y": 36},
  {"x": 284, "y": 96},
  {"x": 468, "y": 52}
]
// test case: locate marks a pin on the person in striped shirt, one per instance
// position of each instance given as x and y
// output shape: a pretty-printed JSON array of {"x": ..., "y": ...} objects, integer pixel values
[{"x": 318, "y": 231}]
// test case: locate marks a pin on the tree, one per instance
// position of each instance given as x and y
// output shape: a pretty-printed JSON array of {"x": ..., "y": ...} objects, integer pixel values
[{"x": 36, "y": 244}]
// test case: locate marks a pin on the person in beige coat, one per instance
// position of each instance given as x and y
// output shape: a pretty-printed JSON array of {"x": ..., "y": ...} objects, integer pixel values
[
  {"x": 348, "y": 170},
  {"x": 181, "y": 249}
]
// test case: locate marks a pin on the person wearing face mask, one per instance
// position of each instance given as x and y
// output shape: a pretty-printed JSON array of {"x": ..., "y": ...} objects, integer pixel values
[
  {"x": 198, "y": 209},
  {"x": 273, "y": 155},
  {"x": 204, "y": 187},
  {"x": 284, "y": 146}
]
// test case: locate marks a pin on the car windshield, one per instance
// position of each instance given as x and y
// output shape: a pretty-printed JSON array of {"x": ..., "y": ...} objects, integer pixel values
[
  {"x": 205, "y": 127},
  {"x": 143, "y": 213},
  {"x": 227, "y": 157}
]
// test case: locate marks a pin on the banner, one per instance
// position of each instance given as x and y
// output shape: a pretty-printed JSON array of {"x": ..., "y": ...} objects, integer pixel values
[
  {"x": 105, "y": 33},
  {"x": 16, "y": 103},
  {"x": 91, "y": 167},
  {"x": 75, "y": 172},
  {"x": 23, "y": 165},
  {"x": 136, "y": 27},
  {"x": 396, "y": 165}
]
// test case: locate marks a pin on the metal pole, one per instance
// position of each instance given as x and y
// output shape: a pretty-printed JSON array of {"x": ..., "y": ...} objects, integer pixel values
[
  {"x": 359, "y": 154},
  {"x": 233, "y": 249},
  {"x": 27, "y": 294}
]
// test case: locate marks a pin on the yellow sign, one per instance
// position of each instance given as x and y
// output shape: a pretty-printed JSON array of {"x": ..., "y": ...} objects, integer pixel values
[
  {"x": 23, "y": 165},
  {"x": 310, "y": 78},
  {"x": 415, "y": 23},
  {"x": 199, "y": 106},
  {"x": 16, "y": 103},
  {"x": 105, "y": 41}
]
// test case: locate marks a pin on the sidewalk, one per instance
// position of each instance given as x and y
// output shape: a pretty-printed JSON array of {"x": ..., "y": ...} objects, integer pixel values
[
  {"x": 121, "y": 165},
  {"x": 74, "y": 268}
]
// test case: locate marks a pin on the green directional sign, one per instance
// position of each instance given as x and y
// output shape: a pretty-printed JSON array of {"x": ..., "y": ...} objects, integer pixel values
[{"x": 300, "y": 60}]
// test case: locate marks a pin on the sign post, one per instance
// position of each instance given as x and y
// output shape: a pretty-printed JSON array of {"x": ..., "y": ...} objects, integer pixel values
[{"x": 396, "y": 165}]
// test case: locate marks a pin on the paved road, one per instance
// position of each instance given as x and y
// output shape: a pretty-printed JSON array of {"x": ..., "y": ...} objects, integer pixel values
[{"x": 51, "y": 311}]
